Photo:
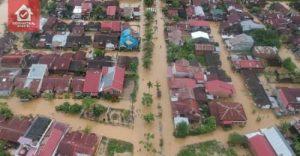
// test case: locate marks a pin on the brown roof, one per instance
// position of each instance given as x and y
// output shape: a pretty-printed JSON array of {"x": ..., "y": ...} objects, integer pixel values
[
  {"x": 77, "y": 84},
  {"x": 78, "y": 142},
  {"x": 61, "y": 64},
  {"x": 204, "y": 47},
  {"x": 12, "y": 129},
  {"x": 186, "y": 108},
  {"x": 228, "y": 113}
]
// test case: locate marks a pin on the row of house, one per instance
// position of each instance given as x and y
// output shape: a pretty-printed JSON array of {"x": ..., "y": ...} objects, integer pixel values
[
  {"x": 42, "y": 136},
  {"x": 59, "y": 74}
]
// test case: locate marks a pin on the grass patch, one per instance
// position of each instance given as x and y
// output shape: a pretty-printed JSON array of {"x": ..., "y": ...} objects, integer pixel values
[{"x": 118, "y": 146}]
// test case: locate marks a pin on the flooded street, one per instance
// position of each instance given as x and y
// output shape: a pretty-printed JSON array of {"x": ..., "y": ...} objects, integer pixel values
[{"x": 4, "y": 12}]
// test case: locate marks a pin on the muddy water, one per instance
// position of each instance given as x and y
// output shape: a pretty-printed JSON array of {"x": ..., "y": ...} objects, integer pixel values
[
  {"x": 47, "y": 108},
  {"x": 4, "y": 15}
]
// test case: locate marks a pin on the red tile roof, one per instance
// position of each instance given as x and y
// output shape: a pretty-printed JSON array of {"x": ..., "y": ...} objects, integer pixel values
[
  {"x": 12, "y": 60},
  {"x": 290, "y": 97},
  {"x": 248, "y": 64},
  {"x": 260, "y": 146},
  {"x": 51, "y": 144},
  {"x": 219, "y": 88},
  {"x": 176, "y": 83},
  {"x": 48, "y": 59},
  {"x": 92, "y": 81},
  {"x": 111, "y": 10},
  {"x": 198, "y": 23},
  {"x": 78, "y": 142},
  {"x": 228, "y": 113},
  {"x": 77, "y": 84},
  {"x": 114, "y": 26},
  {"x": 12, "y": 129},
  {"x": 61, "y": 64}
]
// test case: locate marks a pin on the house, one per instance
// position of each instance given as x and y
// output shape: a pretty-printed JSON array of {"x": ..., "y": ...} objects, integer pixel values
[
  {"x": 200, "y": 35},
  {"x": 289, "y": 98},
  {"x": 92, "y": 82},
  {"x": 247, "y": 63},
  {"x": 99, "y": 62},
  {"x": 12, "y": 60},
  {"x": 277, "y": 141},
  {"x": 7, "y": 81},
  {"x": 177, "y": 83},
  {"x": 217, "y": 14},
  {"x": 60, "y": 40},
  {"x": 182, "y": 94},
  {"x": 112, "y": 80},
  {"x": 106, "y": 41},
  {"x": 77, "y": 85},
  {"x": 239, "y": 43},
  {"x": 181, "y": 68},
  {"x": 50, "y": 24},
  {"x": 212, "y": 60},
  {"x": 228, "y": 113},
  {"x": 78, "y": 41},
  {"x": 13, "y": 128},
  {"x": 52, "y": 139},
  {"x": 35, "y": 77},
  {"x": 127, "y": 12},
  {"x": 77, "y": 66},
  {"x": 31, "y": 140},
  {"x": 129, "y": 39},
  {"x": 249, "y": 25},
  {"x": 199, "y": 12},
  {"x": 175, "y": 37},
  {"x": 77, "y": 30},
  {"x": 86, "y": 7},
  {"x": 217, "y": 88},
  {"x": 259, "y": 145},
  {"x": 60, "y": 65},
  {"x": 77, "y": 12},
  {"x": 47, "y": 59},
  {"x": 111, "y": 11},
  {"x": 76, "y": 142},
  {"x": 56, "y": 84},
  {"x": 200, "y": 95},
  {"x": 203, "y": 48},
  {"x": 216, "y": 73},
  {"x": 199, "y": 25},
  {"x": 257, "y": 91},
  {"x": 45, "y": 40},
  {"x": 92, "y": 26},
  {"x": 265, "y": 52},
  {"x": 186, "y": 108},
  {"x": 111, "y": 26}
]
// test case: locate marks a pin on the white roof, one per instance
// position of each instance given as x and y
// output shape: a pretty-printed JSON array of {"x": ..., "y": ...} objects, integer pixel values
[
  {"x": 37, "y": 71},
  {"x": 199, "y": 11},
  {"x": 250, "y": 135},
  {"x": 199, "y": 34},
  {"x": 60, "y": 40},
  {"x": 77, "y": 10},
  {"x": 277, "y": 141},
  {"x": 179, "y": 119}
]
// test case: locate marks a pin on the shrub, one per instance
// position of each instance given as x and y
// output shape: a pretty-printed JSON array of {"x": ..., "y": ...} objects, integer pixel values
[
  {"x": 207, "y": 126},
  {"x": 237, "y": 139},
  {"x": 24, "y": 94},
  {"x": 266, "y": 37},
  {"x": 98, "y": 110},
  {"x": 289, "y": 65},
  {"x": 117, "y": 146},
  {"x": 147, "y": 99},
  {"x": 149, "y": 117},
  {"x": 75, "y": 109},
  {"x": 148, "y": 3},
  {"x": 182, "y": 130},
  {"x": 48, "y": 96},
  {"x": 98, "y": 53},
  {"x": 65, "y": 107}
]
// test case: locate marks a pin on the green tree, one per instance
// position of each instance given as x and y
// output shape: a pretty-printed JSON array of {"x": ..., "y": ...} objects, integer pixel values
[
  {"x": 98, "y": 110},
  {"x": 149, "y": 117},
  {"x": 87, "y": 102},
  {"x": 24, "y": 94},
  {"x": 2, "y": 149},
  {"x": 98, "y": 52},
  {"x": 148, "y": 3},
  {"x": 147, "y": 99},
  {"x": 149, "y": 85},
  {"x": 6, "y": 112},
  {"x": 75, "y": 108},
  {"x": 182, "y": 130},
  {"x": 65, "y": 107},
  {"x": 237, "y": 139},
  {"x": 175, "y": 3},
  {"x": 266, "y": 37},
  {"x": 284, "y": 127},
  {"x": 133, "y": 66},
  {"x": 97, "y": 12},
  {"x": 289, "y": 65}
]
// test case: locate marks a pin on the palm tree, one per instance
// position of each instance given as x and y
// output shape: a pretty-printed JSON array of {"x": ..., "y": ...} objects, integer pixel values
[
  {"x": 157, "y": 85},
  {"x": 150, "y": 85}
]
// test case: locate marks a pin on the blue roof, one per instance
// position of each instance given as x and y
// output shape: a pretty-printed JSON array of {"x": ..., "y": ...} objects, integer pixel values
[{"x": 127, "y": 40}]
